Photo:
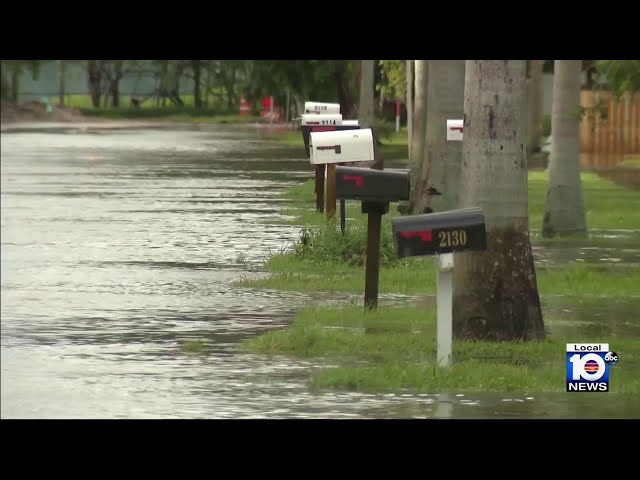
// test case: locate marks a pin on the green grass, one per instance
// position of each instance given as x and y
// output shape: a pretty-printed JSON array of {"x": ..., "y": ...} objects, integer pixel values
[
  {"x": 607, "y": 206},
  {"x": 328, "y": 261},
  {"x": 148, "y": 110},
  {"x": 418, "y": 276},
  {"x": 630, "y": 163},
  {"x": 193, "y": 346},
  {"x": 397, "y": 352}
]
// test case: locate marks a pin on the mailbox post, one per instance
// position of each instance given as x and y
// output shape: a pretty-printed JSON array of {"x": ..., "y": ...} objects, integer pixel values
[
  {"x": 441, "y": 234},
  {"x": 322, "y": 117},
  {"x": 335, "y": 147},
  {"x": 375, "y": 189}
]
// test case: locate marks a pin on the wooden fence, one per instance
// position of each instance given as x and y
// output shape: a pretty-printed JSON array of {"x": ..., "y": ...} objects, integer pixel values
[{"x": 605, "y": 142}]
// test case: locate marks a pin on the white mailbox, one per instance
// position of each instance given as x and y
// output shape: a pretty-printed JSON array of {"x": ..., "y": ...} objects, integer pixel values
[
  {"x": 321, "y": 119},
  {"x": 317, "y": 107},
  {"x": 454, "y": 130},
  {"x": 351, "y": 123},
  {"x": 341, "y": 146}
]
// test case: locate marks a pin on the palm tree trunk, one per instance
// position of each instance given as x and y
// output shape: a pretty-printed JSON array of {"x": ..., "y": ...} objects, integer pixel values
[
  {"x": 535, "y": 107},
  {"x": 495, "y": 291},
  {"x": 564, "y": 210},
  {"x": 409, "y": 102},
  {"x": 443, "y": 160},
  {"x": 417, "y": 148}
]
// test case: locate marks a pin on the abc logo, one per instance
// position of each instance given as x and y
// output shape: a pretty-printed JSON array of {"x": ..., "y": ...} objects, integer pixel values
[{"x": 611, "y": 358}]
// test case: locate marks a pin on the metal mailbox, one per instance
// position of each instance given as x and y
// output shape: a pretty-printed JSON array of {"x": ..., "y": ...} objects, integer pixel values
[
  {"x": 443, "y": 232},
  {"x": 455, "y": 129},
  {"x": 320, "y": 107},
  {"x": 321, "y": 119},
  {"x": 323, "y": 123},
  {"x": 370, "y": 185},
  {"x": 341, "y": 146}
]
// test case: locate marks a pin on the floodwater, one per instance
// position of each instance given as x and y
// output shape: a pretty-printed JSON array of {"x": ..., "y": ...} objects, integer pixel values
[{"x": 120, "y": 245}]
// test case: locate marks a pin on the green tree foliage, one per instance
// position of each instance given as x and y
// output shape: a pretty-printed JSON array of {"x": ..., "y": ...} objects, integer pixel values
[
  {"x": 394, "y": 73},
  {"x": 11, "y": 71},
  {"x": 621, "y": 75},
  {"x": 320, "y": 80}
]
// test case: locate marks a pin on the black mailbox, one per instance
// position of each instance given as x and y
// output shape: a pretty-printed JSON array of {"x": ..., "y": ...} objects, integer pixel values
[
  {"x": 370, "y": 185},
  {"x": 307, "y": 129},
  {"x": 442, "y": 232}
]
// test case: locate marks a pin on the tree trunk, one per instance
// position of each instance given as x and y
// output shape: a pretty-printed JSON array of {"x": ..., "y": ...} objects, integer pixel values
[
  {"x": 495, "y": 291},
  {"x": 229, "y": 85},
  {"x": 115, "y": 84},
  {"x": 366, "y": 93},
  {"x": 345, "y": 97},
  {"x": 443, "y": 159},
  {"x": 564, "y": 211},
  {"x": 197, "y": 99},
  {"x": 535, "y": 107},
  {"x": 208, "y": 84},
  {"x": 61, "y": 78},
  {"x": 417, "y": 147},
  {"x": 15, "y": 82},
  {"x": 95, "y": 82},
  {"x": 409, "y": 103}
]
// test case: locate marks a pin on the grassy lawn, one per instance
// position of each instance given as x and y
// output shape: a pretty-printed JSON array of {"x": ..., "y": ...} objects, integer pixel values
[
  {"x": 400, "y": 355},
  {"x": 150, "y": 111}
]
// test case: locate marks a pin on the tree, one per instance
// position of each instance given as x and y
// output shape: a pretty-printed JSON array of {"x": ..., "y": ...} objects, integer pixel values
[
  {"x": 13, "y": 69},
  {"x": 621, "y": 75},
  {"x": 114, "y": 82},
  {"x": 196, "y": 66},
  {"x": 305, "y": 79},
  {"x": 495, "y": 291},
  {"x": 536, "y": 98},
  {"x": 94, "y": 70},
  {"x": 61, "y": 78},
  {"x": 564, "y": 209},
  {"x": 417, "y": 147},
  {"x": 443, "y": 160},
  {"x": 366, "y": 93},
  {"x": 409, "y": 101}
]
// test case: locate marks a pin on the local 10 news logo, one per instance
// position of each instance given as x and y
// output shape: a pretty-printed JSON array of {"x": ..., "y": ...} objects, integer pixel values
[{"x": 588, "y": 366}]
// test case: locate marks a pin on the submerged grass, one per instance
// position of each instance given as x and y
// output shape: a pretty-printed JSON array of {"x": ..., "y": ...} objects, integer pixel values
[
  {"x": 393, "y": 349},
  {"x": 325, "y": 260},
  {"x": 418, "y": 276},
  {"x": 607, "y": 206}
]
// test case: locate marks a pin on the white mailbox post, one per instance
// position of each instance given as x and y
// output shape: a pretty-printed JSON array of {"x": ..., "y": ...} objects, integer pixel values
[
  {"x": 320, "y": 107},
  {"x": 444, "y": 299},
  {"x": 351, "y": 123}
]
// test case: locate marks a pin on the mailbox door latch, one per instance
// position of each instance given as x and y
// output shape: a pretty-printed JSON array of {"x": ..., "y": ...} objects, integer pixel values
[{"x": 336, "y": 148}]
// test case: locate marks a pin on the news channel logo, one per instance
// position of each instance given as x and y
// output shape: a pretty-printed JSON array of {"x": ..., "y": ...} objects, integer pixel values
[{"x": 588, "y": 366}]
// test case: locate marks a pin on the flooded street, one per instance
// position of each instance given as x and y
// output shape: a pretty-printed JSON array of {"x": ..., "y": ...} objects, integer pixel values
[{"x": 118, "y": 246}]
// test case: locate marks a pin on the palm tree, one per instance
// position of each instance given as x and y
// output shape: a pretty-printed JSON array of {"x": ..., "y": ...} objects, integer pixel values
[
  {"x": 564, "y": 210},
  {"x": 443, "y": 161},
  {"x": 495, "y": 291}
]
